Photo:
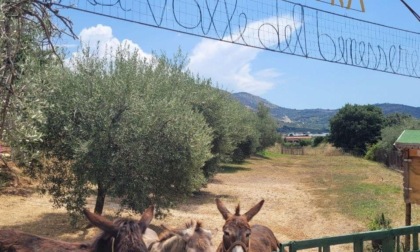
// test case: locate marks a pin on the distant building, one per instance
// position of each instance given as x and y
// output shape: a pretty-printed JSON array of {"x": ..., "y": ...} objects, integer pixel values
[
  {"x": 296, "y": 137},
  {"x": 321, "y": 135}
]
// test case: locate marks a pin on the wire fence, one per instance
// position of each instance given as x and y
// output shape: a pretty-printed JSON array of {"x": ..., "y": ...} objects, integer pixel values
[
  {"x": 279, "y": 26},
  {"x": 292, "y": 150}
]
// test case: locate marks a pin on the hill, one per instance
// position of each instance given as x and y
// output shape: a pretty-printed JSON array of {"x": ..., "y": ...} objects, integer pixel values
[{"x": 312, "y": 120}]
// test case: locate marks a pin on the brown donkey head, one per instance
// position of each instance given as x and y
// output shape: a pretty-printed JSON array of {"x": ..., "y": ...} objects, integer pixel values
[
  {"x": 122, "y": 235},
  {"x": 197, "y": 239},
  {"x": 192, "y": 238},
  {"x": 236, "y": 231}
]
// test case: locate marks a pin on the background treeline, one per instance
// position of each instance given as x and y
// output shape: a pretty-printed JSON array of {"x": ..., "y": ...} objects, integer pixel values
[
  {"x": 145, "y": 130},
  {"x": 384, "y": 151},
  {"x": 364, "y": 130}
]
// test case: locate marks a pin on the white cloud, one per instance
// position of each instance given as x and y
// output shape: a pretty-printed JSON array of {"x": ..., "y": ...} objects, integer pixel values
[
  {"x": 231, "y": 65},
  {"x": 101, "y": 39}
]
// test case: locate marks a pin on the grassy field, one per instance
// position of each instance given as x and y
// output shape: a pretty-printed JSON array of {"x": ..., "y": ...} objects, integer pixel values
[
  {"x": 358, "y": 188},
  {"x": 321, "y": 193}
]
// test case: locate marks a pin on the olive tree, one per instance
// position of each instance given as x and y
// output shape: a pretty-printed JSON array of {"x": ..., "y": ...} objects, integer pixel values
[
  {"x": 236, "y": 135},
  {"x": 27, "y": 31},
  {"x": 111, "y": 134},
  {"x": 28, "y": 28},
  {"x": 267, "y": 126},
  {"x": 231, "y": 122}
]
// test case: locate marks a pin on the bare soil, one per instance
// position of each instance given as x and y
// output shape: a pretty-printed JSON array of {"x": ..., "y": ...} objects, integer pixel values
[{"x": 292, "y": 206}]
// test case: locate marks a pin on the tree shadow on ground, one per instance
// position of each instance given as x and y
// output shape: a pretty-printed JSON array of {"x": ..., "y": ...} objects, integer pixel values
[
  {"x": 52, "y": 225},
  {"x": 259, "y": 156},
  {"x": 200, "y": 198},
  {"x": 215, "y": 181},
  {"x": 56, "y": 225},
  {"x": 232, "y": 169}
]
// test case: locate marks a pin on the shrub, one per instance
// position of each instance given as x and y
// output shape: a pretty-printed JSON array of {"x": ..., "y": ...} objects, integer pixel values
[
  {"x": 380, "y": 222},
  {"x": 356, "y": 126},
  {"x": 381, "y": 151},
  {"x": 304, "y": 143},
  {"x": 318, "y": 140}
]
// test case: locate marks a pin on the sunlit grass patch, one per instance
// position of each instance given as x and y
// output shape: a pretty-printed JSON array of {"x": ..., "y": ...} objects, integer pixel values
[
  {"x": 363, "y": 200},
  {"x": 355, "y": 187},
  {"x": 272, "y": 152}
]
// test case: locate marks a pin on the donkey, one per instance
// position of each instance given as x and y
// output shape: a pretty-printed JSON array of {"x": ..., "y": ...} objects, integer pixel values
[
  {"x": 12, "y": 240},
  {"x": 239, "y": 236},
  {"x": 122, "y": 235},
  {"x": 193, "y": 238}
]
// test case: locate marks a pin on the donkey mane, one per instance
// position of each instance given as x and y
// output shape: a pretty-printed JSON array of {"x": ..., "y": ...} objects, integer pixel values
[
  {"x": 121, "y": 235},
  {"x": 238, "y": 210},
  {"x": 131, "y": 230},
  {"x": 130, "y": 238}
]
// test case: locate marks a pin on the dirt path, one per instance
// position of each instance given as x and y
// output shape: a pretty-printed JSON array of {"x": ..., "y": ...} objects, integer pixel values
[{"x": 289, "y": 208}]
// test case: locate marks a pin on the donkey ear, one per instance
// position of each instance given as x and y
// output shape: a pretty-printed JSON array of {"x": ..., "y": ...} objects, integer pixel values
[
  {"x": 100, "y": 221},
  {"x": 253, "y": 211},
  {"x": 183, "y": 234},
  {"x": 222, "y": 209},
  {"x": 146, "y": 218}
]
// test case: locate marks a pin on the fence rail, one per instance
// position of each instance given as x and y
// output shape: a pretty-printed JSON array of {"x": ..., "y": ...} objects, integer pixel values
[
  {"x": 295, "y": 150},
  {"x": 390, "y": 241}
]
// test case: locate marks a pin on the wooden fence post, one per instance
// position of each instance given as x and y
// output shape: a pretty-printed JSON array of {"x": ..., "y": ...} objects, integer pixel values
[{"x": 407, "y": 223}]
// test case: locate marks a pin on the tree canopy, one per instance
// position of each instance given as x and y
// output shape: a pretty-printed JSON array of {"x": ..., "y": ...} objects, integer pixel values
[
  {"x": 144, "y": 130},
  {"x": 26, "y": 43},
  {"x": 394, "y": 126},
  {"x": 354, "y": 127},
  {"x": 113, "y": 127},
  {"x": 267, "y": 127}
]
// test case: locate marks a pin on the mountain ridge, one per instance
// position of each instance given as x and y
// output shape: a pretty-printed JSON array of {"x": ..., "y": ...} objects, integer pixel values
[{"x": 313, "y": 120}]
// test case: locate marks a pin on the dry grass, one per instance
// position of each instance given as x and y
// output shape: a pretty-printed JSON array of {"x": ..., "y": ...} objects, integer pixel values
[{"x": 319, "y": 194}]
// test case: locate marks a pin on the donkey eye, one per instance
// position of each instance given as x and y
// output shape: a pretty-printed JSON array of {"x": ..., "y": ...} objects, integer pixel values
[
  {"x": 248, "y": 234},
  {"x": 226, "y": 233}
]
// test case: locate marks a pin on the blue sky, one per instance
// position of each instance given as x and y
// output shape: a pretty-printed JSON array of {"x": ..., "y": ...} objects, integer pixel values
[{"x": 285, "y": 80}]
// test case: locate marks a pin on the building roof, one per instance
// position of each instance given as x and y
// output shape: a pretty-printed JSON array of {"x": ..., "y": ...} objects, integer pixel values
[
  {"x": 296, "y": 138},
  {"x": 409, "y": 139}
]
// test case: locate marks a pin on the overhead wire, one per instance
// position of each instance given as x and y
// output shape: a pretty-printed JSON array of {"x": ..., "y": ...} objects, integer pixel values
[{"x": 411, "y": 10}]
